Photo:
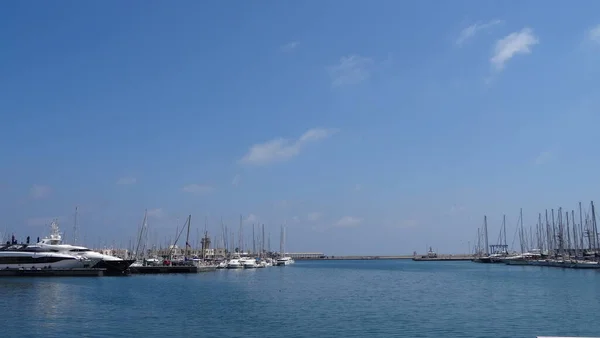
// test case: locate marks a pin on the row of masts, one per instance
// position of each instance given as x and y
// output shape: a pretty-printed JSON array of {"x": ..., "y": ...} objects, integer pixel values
[
  {"x": 556, "y": 233},
  {"x": 261, "y": 245}
]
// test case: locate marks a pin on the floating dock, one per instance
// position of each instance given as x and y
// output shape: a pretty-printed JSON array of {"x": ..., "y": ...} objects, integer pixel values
[
  {"x": 144, "y": 270},
  {"x": 52, "y": 272}
]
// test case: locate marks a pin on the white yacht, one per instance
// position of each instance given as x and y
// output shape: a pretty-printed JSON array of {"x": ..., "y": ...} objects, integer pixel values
[
  {"x": 248, "y": 263},
  {"x": 23, "y": 256},
  {"x": 285, "y": 261},
  {"x": 113, "y": 265},
  {"x": 235, "y": 263}
]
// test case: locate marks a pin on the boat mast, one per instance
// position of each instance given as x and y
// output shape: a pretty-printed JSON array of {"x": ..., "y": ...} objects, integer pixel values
[
  {"x": 594, "y": 228},
  {"x": 262, "y": 242},
  {"x": 137, "y": 248},
  {"x": 187, "y": 237},
  {"x": 75, "y": 234},
  {"x": 485, "y": 233},
  {"x": 253, "y": 241},
  {"x": 504, "y": 231}
]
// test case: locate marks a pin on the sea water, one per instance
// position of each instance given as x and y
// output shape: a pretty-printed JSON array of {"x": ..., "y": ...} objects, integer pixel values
[{"x": 398, "y": 298}]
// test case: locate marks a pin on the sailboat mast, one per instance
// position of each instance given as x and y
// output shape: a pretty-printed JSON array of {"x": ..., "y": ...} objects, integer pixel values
[
  {"x": 594, "y": 228},
  {"x": 137, "y": 248},
  {"x": 262, "y": 242},
  {"x": 485, "y": 233},
  {"x": 75, "y": 234},
  {"x": 504, "y": 231},
  {"x": 521, "y": 234},
  {"x": 253, "y": 241},
  {"x": 187, "y": 237}
]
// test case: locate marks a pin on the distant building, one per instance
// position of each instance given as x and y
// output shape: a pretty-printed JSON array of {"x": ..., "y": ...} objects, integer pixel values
[{"x": 305, "y": 255}]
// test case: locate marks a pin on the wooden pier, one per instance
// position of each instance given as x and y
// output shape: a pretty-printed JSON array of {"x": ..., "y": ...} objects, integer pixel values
[{"x": 52, "y": 272}]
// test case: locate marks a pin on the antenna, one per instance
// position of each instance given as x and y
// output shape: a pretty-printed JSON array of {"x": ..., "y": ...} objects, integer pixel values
[{"x": 75, "y": 228}]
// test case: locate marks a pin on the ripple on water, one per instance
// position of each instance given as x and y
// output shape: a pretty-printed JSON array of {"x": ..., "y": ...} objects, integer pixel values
[{"x": 311, "y": 299}]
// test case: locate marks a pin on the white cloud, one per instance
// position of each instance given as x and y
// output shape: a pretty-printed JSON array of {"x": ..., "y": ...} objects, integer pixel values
[
  {"x": 127, "y": 180},
  {"x": 352, "y": 69},
  {"x": 288, "y": 47},
  {"x": 39, "y": 191},
  {"x": 455, "y": 209},
  {"x": 515, "y": 43},
  {"x": 236, "y": 180},
  {"x": 251, "y": 218},
  {"x": 313, "y": 216},
  {"x": 543, "y": 157},
  {"x": 197, "y": 189},
  {"x": 348, "y": 221},
  {"x": 470, "y": 31},
  {"x": 283, "y": 149},
  {"x": 156, "y": 213},
  {"x": 594, "y": 34}
]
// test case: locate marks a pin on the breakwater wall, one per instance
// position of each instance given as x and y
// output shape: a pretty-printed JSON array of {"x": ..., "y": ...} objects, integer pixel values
[{"x": 460, "y": 257}]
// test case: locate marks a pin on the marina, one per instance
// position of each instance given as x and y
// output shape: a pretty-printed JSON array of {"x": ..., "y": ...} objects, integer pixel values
[{"x": 558, "y": 240}]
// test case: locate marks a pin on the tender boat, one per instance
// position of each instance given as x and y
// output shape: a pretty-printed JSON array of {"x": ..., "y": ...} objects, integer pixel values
[
  {"x": 248, "y": 263},
  {"x": 113, "y": 265},
  {"x": 285, "y": 261},
  {"x": 23, "y": 256},
  {"x": 235, "y": 263}
]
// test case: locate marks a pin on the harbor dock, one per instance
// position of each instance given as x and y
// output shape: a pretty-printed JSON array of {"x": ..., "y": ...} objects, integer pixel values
[
  {"x": 52, "y": 272},
  {"x": 328, "y": 258},
  {"x": 142, "y": 270},
  {"x": 443, "y": 258}
]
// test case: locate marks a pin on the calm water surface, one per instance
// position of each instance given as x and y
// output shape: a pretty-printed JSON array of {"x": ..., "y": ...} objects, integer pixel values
[{"x": 311, "y": 299}]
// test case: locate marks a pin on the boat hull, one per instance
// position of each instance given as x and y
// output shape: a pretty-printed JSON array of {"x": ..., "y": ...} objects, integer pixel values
[
  {"x": 115, "y": 267},
  {"x": 18, "y": 260}
]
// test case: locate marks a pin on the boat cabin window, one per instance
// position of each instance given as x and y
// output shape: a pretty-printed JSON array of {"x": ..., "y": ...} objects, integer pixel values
[{"x": 80, "y": 250}]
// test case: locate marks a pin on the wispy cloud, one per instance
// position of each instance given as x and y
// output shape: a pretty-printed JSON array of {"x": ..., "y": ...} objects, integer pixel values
[
  {"x": 283, "y": 149},
  {"x": 251, "y": 218},
  {"x": 156, "y": 213},
  {"x": 290, "y": 46},
  {"x": 348, "y": 221},
  {"x": 351, "y": 69},
  {"x": 543, "y": 157},
  {"x": 513, "y": 44},
  {"x": 455, "y": 209},
  {"x": 126, "y": 180},
  {"x": 198, "y": 189},
  {"x": 472, "y": 30},
  {"x": 594, "y": 34},
  {"x": 38, "y": 191},
  {"x": 236, "y": 180},
  {"x": 314, "y": 216}
]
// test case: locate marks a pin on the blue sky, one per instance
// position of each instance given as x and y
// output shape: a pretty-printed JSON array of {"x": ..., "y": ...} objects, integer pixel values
[{"x": 373, "y": 128}]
